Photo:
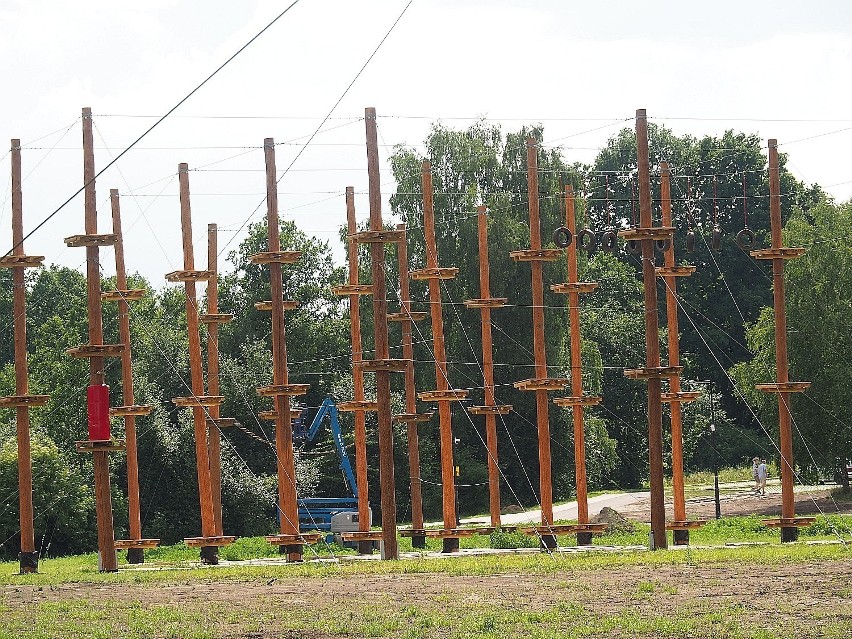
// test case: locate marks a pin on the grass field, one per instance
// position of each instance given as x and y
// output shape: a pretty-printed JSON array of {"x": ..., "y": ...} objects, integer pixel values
[{"x": 754, "y": 591}]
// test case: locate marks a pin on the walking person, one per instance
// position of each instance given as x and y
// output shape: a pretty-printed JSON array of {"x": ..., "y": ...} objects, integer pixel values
[
  {"x": 755, "y": 464},
  {"x": 762, "y": 473}
]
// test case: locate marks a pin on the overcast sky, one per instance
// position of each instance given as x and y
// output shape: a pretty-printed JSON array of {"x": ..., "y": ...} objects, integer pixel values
[{"x": 779, "y": 69}]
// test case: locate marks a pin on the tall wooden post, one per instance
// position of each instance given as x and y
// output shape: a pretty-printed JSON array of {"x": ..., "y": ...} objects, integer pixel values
[
  {"x": 490, "y": 409},
  {"x": 411, "y": 418},
  {"x": 359, "y": 405},
  {"x": 788, "y": 522},
  {"x": 95, "y": 351},
  {"x": 443, "y": 395},
  {"x": 200, "y": 402},
  {"x": 22, "y": 400},
  {"x": 675, "y": 397},
  {"x": 646, "y": 233},
  {"x": 577, "y": 401},
  {"x": 290, "y": 540},
  {"x": 122, "y": 295},
  {"x": 541, "y": 383}
]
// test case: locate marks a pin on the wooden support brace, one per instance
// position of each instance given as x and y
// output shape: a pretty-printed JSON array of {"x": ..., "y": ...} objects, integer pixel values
[
  {"x": 367, "y": 535},
  {"x": 127, "y": 544},
  {"x": 375, "y": 365},
  {"x": 451, "y": 395},
  {"x": 682, "y": 397},
  {"x": 137, "y": 410},
  {"x": 202, "y": 542},
  {"x": 785, "y": 387},
  {"x": 350, "y": 407},
  {"x": 276, "y": 257},
  {"x": 648, "y": 233},
  {"x": 685, "y": 525},
  {"x": 674, "y": 271},
  {"x": 271, "y": 415},
  {"x": 189, "y": 275},
  {"x": 200, "y": 400},
  {"x": 21, "y": 261},
  {"x": 124, "y": 295},
  {"x": 434, "y": 273},
  {"x": 789, "y": 522},
  {"x": 89, "y": 446},
  {"x": 503, "y": 409},
  {"x": 96, "y": 350},
  {"x": 290, "y": 540},
  {"x": 285, "y": 390},
  {"x": 542, "y": 383},
  {"x": 216, "y": 318},
  {"x": 487, "y": 302},
  {"x": 221, "y": 422},
  {"x": 287, "y": 305},
  {"x": 647, "y": 373},
  {"x": 413, "y": 316},
  {"x": 782, "y": 253},
  {"x": 377, "y": 237},
  {"x": 537, "y": 255},
  {"x": 16, "y": 401},
  {"x": 563, "y": 529},
  {"x": 574, "y": 287},
  {"x": 581, "y": 400},
  {"x": 412, "y": 418},
  {"x": 91, "y": 239},
  {"x": 353, "y": 289}
]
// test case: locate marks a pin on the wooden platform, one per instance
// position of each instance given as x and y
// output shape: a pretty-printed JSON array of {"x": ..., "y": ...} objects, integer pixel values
[
  {"x": 107, "y": 446},
  {"x": 367, "y": 535},
  {"x": 542, "y": 383},
  {"x": 348, "y": 407},
  {"x": 652, "y": 233},
  {"x": 189, "y": 276},
  {"x": 293, "y": 540},
  {"x": 96, "y": 350},
  {"x": 413, "y": 316},
  {"x": 287, "y": 305},
  {"x": 789, "y": 522},
  {"x": 487, "y": 302},
  {"x": 563, "y": 529},
  {"x": 126, "y": 295},
  {"x": 353, "y": 289},
  {"x": 290, "y": 390},
  {"x": 201, "y": 400},
  {"x": 537, "y": 255},
  {"x": 786, "y": 387},
  {"x": 137, "y": 410},
  {"x": 127, "y": 544},
  {"x": 674, "y": 271},
  {"x": 436, "y": 273},
  {"x": 445, "y": 533},
  {"x": 582, "y": 400},
  {"x": 92, "y": 239},
  {"x": 201, "y": 542},
  {"x": 685, "y": 525},
  {"x": 783, "y": 253},
  {"x": 502, "y": 409},
  {"x": 16, "y": 401},
  {"x": 451, "y": 395},
  {"x": 412, "y": 418},
  {"x": 276, "y": 257},
  {"x": 376, "y": 237},
  {"x": 574, "y": 287},
  {"x": 21, "y": 261},
  {"x": 376, "y": 365},
  {"x": 647, "y": 373}
]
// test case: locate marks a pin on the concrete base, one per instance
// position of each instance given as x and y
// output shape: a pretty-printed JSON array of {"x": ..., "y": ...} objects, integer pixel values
[
  {"x": 789, "y": 533},
  {"x": 548, "y": 542},
  {"x": 584, "y": 539},
  {"x": 681, "y": 537},
  {"x": 135, "y": 556},
  {"x": 209, "y": 555},
  {"x": 450, "y": 544},
  {"x": 28, "y": 562}
]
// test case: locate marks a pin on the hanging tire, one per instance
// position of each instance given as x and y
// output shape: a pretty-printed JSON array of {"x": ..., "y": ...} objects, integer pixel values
[
  {"x": 586, "y": 240},
  {"x": 562, "y": 237},
  {"x": 716, "y": 238},
  {"x": 609, "y": 241},
  {"x": 745, "y": 239},
  {"x": 634, "y": 247},
  {"x": 662, "y": 245},
  {"x": 690, "y": 242}
]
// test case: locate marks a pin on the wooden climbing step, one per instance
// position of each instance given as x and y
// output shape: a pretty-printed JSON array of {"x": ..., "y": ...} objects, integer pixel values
[
  {"x": 276, "y": 257},
  {"x": 91, "y": 239},
  {"x": 17, "y": 401},
  {"x": 537, "y": 255},
  {"x": 542, "y": 383}
]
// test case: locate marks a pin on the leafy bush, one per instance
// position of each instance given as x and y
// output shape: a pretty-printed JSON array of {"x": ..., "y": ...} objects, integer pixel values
[{"x": 511, "y": 539}]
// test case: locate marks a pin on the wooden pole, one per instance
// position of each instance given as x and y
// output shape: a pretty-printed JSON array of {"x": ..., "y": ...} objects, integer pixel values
[
  {"x": 390, "y": 548},
  {"x": 287, "y": 497},
  {"x": 652, "y": 339},
  {"x": 442, "y": 380},
  {"x": 103, "y": 496},
  {"x": 363, "y": 494},
  {"x": 28, "y": 557},
  {"x": 214, "y": 441},
  {"x": 209, "y": 554},
  {"x": 411, "y": 416}
]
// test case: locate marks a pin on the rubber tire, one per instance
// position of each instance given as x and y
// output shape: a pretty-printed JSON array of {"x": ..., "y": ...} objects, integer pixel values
[
  {"x": 634, "y": 247},
  {"x": 609, "y": 241},
  {"x": 662, "y": 245},
  {"x": 716, "y": 239},
  {"x": 745, "y": 239},
  {"x": 586, "y": 240},
  {"x": 690, "y": 242},
  {"x": 562, "y": 237}
]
